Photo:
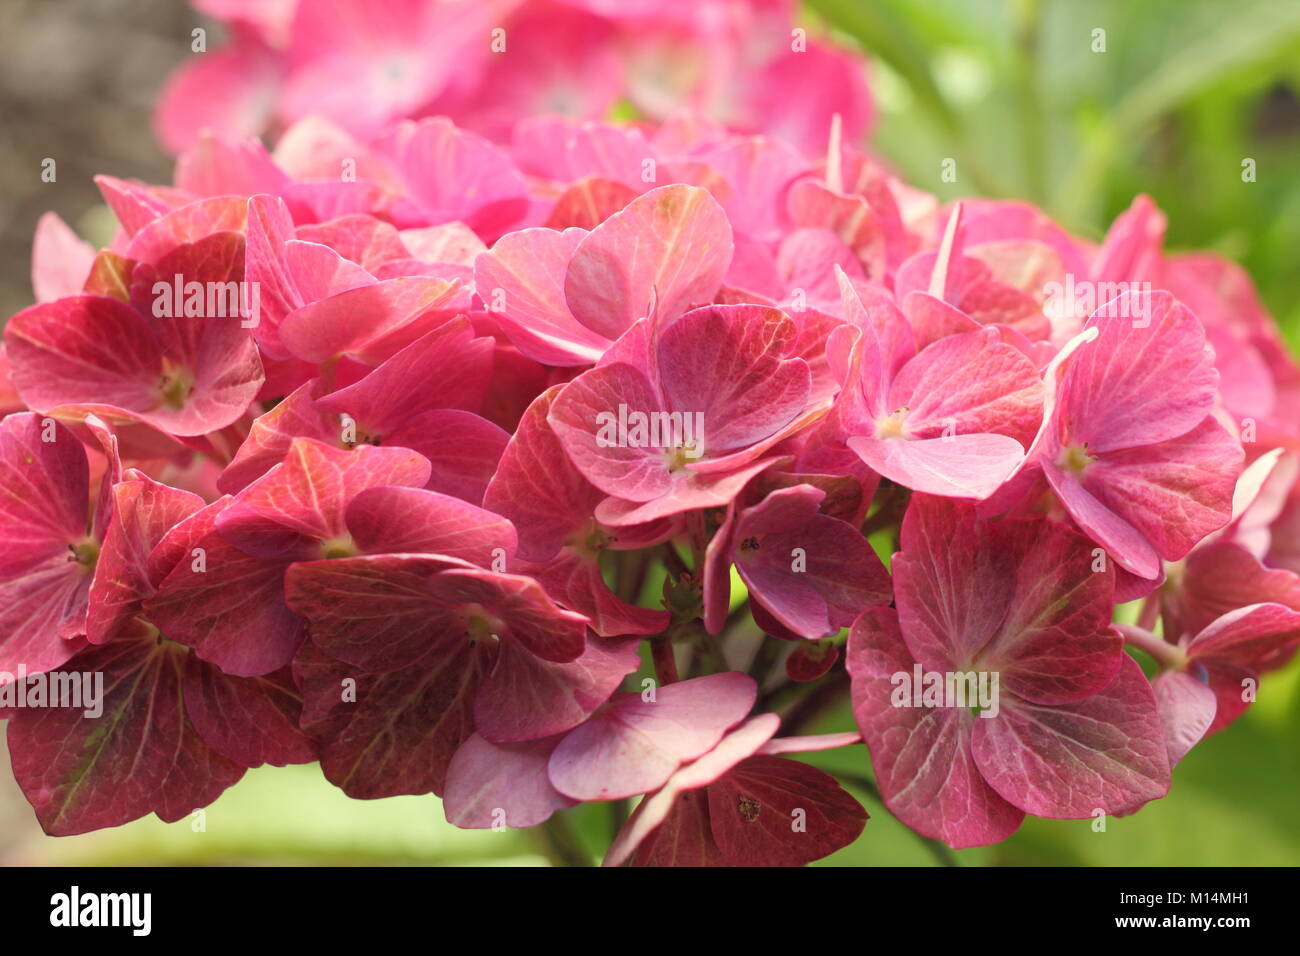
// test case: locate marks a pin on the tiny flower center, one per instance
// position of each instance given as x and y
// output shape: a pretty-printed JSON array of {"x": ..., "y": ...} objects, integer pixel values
[
  {"x": 892, "y": 426},
  {"x": 678, "y": 457},
  {"x": 340, "y": 547},
  {"x": 175, "y": 385},
  {"x": 85, "y": 552},
  {"x": 1075, "y": 459},
  {"x": 480, "y": 625},
  {"x": 590, "y": 540}
]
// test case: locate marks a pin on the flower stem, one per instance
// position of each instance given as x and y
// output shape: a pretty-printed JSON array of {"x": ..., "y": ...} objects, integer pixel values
[
  {"x": 1168, "y": 656},
  {"x": 824, "y": 695},
  {"x": 560, "y": 843},
  {"x": 661, "y": 651},
  {"x": 1149, "y": 612},
  {"x": 760, "y": 668}
]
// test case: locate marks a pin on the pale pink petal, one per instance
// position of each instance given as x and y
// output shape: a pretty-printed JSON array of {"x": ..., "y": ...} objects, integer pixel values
[
  {"x": 1104, "y": 753},
  {"x": 671, "y": 247},
  {"x": 633, "y": 745},
  {"x": 921, "y": 755},
  {"x": 494, "y": 785}
]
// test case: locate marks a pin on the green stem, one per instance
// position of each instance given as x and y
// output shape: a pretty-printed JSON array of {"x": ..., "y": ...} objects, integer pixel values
[
  {"x": 633, "y": 566},
  {"x": 673, "y": 561},
  {"x": 760, "y": 668},
  {"x": 560, "y": 843},
  {"x": 825, "y": 694},
  {"x": 893, "y": 501},
  {"x": 618, "y": 814},
  {"x": 1149, "y": 612},
  {"x": 661, "y": 651},
  {"x": 1168, "y": 656}
]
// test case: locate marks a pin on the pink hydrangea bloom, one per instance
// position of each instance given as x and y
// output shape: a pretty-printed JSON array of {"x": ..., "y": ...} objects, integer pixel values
[
  {"x": 469, "y": 442},
  {"x": 1070, "y": 726}
]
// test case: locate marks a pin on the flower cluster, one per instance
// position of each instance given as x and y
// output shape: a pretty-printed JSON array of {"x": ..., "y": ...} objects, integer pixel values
[
  {"x": 488, "y": 64},
  {"x": 559, "y": 466}
]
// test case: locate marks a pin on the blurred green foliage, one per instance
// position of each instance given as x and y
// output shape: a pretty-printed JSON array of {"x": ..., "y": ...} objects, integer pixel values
[{"x": 1013, "y": 90}]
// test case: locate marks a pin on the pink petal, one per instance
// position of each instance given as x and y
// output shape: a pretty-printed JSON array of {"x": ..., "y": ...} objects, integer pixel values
[
  {"x": 43, "y": 513},
  {"x": 60, "y": 259},
  {"x": 887, "y": 341},
  {"x": 228, "y": 90},
  {"x": 525, "y": 271},
  {"x": 1139, "y": 384},
  {"x": 633, "y": 746},
  {"x": 754, "y": 808},
  {"x": 84, "y": 349},
  {"x": 447, "y": 368},
  {"x": 272, "y": 433},
  {"x": 577, "y": 415},
  {"x": 969, "y": 383},
  {"x": 136, "y": 204},
  {"x": 681, "y": 838},
  {"x": 921, "y": 755},
  {"x": 956, "y": 466},
  {"x": 811, "y": 571},
  {"x": 395, "y": 519},
  {"x": 690, "y": 490},
  {"x": 144, "y": 511},
  {"x": 455, "y": 175},
  {"x": 567, "y": 150},
  {"x": 1187, "y": 707},
  {"x": 1132, "y": 248},
  {"x": 673, "y": 245},
  {"x": 362, "y": 239},
  {"x": 573, "y": 578},
  {"x": 758, "y": 169},
  {"x": 188, "y": 224},
  {"x": 537, "y": 487},
  {"x": 1248, "y": 637},
  {"x": 82, "y": 773},
  {"x": 1175, "y": 492},
  {"x": 501, "y": 784},
  {"x": 252, "y": 721},
  {"x": 828, "y": 79},
  {"x": 308, "y": 494},
  {"x": 463, "y": 450},
  {"x": 933, "y": 319},
  {"x": 526, "y": 612},
  {"x": 728, "y": 366},
  {"x": 526, "y": 697},
  {"x": 1106, "y": 752},
  {"x": 399, "y": 734},
  {"x": 588, "y": 203},
  {"x": 374, "y": 612},
  {"x": 230, "y": 609},
  {"x": 740, "y": 743},
  {"x": 353, "y": 319},
  {"x": 1220, "y": 577},
  {"x": 225, "y": 167}
]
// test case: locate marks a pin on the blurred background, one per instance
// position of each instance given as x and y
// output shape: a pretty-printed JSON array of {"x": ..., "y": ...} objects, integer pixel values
[{"x": 1170, "y": 98}]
